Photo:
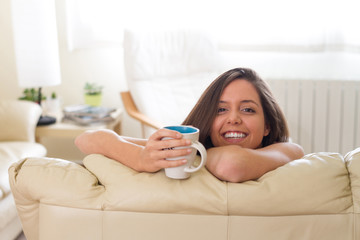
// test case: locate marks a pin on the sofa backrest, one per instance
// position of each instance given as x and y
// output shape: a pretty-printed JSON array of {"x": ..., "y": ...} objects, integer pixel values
[
  {"x": 18, "y": 120},
  {"x": 103, "y": 190}
]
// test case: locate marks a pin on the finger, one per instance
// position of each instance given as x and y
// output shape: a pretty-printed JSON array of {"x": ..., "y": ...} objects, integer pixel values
[
  {"x": 161, "y": 133},
  {"x": 172, "y": 143},
  {"x": 173, "y": 153},
  {"x": 169, "y": 153},
  {"x": 171, "y": 163},
  {"x": 160, "y": 144}
]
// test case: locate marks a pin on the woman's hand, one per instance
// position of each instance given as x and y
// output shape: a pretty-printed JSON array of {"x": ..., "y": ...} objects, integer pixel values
[
  {"x": 139, "y": 154},
  {"x": 153, "y": 156}
]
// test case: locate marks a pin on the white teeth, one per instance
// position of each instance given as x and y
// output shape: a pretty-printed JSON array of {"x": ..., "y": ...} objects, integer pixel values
[{"x": 234, "y": 135}]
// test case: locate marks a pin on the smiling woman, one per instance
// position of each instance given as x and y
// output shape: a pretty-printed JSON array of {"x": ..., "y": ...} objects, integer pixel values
[
  {"x": 227, "y": 100},
  {"x": 240, "y": 124}
]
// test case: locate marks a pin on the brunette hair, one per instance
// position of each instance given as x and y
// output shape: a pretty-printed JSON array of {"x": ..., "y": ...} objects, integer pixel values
[{"x": 205, "y": 110}]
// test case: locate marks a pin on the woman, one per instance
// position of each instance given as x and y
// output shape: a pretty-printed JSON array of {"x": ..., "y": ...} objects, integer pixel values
[{"x": 240, "y": 123}]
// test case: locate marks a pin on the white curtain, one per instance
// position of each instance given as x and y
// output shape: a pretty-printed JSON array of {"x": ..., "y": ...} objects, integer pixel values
[{"x": 259, "y": 25}]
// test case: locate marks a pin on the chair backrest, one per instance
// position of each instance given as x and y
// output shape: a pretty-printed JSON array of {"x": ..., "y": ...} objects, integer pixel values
[{"x": 167, "y": 71}]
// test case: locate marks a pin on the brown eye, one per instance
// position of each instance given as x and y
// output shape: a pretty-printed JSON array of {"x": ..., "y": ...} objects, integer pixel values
[
  {"x": 220, "y": 110},
  {"x": 248, "y": 110}
]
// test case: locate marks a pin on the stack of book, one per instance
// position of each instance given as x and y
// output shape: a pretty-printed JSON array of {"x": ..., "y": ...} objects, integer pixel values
[{"x": 87, "y": 115}]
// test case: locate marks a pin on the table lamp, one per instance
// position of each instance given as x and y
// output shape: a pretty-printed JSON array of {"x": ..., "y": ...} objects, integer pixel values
[{"x": 36, "y": 46}]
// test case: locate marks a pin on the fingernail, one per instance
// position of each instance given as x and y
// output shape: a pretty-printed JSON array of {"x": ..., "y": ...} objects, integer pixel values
[{"x": 188, "y": 142}]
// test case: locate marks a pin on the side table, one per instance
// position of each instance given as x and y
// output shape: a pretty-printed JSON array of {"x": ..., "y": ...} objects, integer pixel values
[{"x": 69, "y": 130}]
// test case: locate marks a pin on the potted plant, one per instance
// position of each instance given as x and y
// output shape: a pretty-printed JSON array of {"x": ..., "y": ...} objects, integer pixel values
[
  {"x": 31, "y": 94},
  {"x": 93, "y": 94}
]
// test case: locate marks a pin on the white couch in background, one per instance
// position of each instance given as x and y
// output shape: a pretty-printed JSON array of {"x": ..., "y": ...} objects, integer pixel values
[{"x": 18, "y": 120}]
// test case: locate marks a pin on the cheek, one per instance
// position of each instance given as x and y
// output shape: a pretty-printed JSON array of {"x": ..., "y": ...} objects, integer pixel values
[
  {"x": 254, "y": 125},
  {"x": 216, "y": 125}
]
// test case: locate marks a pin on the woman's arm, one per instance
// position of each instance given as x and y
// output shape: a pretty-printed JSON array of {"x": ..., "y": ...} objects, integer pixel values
[
  {"x": 140, "y": 154},
  {"x": 236, "y": 164}
]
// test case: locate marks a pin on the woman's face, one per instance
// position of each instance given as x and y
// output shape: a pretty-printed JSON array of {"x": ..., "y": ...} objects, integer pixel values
[{"x": 240, "y": 117}]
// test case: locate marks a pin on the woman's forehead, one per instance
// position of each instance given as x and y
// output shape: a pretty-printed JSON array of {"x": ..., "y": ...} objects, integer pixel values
[{"x": 241, "y": 90}]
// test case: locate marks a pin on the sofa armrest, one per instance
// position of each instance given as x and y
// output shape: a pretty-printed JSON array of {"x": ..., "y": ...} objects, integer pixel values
[
  {"x": 18, "y": 120},
  {"x": 51, "y": 181},
  {"x": 352, "y": 160}
]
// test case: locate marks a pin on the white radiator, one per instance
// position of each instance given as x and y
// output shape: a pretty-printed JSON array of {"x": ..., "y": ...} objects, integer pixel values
[{"x": 322, "y": 115}]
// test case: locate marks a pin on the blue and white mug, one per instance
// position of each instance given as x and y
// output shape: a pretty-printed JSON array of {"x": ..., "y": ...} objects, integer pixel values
[{"x": 183, "y": 172}]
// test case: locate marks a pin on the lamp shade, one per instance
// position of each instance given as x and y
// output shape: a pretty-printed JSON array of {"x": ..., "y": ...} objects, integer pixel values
[{"x": 36, "y": 42}]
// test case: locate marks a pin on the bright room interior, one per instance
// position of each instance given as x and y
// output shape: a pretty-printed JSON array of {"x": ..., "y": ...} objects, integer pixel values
[
  {"x": 297, "y": 41},
  {"x": 301, "y": 40}
]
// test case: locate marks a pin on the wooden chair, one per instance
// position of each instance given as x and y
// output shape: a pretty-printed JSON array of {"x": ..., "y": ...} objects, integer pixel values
[
  {"x": 166, "y": 71},
  {"x": 132, "y": 110}
]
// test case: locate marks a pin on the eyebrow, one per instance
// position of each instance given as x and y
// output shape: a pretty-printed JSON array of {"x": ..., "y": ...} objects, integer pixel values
[{"x": 243, "y": 101}]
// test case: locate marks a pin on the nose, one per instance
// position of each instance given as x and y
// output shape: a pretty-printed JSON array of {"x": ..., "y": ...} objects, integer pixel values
[{"x": 234, "y": 118}]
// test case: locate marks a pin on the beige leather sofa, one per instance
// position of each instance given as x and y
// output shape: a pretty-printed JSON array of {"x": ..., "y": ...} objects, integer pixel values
[
  {"x": 18, "y": 120},
  {"x": 316, "y": 197}
]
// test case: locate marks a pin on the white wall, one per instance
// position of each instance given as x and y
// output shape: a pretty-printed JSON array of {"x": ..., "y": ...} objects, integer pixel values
[
  {"x": 105, "y": 66},
  {"x": 297, "y": 65}
]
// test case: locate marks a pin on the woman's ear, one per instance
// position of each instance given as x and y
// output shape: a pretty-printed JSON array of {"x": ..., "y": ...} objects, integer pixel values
[{"x": 266, "y": 130}]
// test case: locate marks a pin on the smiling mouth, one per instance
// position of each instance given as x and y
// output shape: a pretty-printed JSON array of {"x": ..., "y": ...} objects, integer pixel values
[{"x": 234, "y": 135}]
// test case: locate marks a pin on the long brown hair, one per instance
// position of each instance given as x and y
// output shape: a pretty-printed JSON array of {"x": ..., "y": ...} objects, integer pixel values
[{"x": 205, "y": 110}]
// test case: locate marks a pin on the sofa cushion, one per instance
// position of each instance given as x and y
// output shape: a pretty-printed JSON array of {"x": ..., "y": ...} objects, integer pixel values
[
  {"x": 316, "y": 184},
  {"x": 11, "y": 152},
  {"x": 128, "y": 190}
]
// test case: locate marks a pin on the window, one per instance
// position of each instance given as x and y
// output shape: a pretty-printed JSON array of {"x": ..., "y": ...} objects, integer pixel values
[{"x": 277, "y": 25}]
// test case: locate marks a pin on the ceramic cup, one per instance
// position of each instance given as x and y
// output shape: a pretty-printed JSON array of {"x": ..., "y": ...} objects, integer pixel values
[{"x": 183, "y": 172}]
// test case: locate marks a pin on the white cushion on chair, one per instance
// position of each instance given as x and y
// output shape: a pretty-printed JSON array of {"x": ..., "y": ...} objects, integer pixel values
[
  {"x": 169, "y": 102},
  {"x": 167, "y": 71}
]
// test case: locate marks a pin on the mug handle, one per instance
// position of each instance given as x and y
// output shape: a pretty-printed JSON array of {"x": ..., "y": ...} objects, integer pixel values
[{"x": 197, "y": 145}]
